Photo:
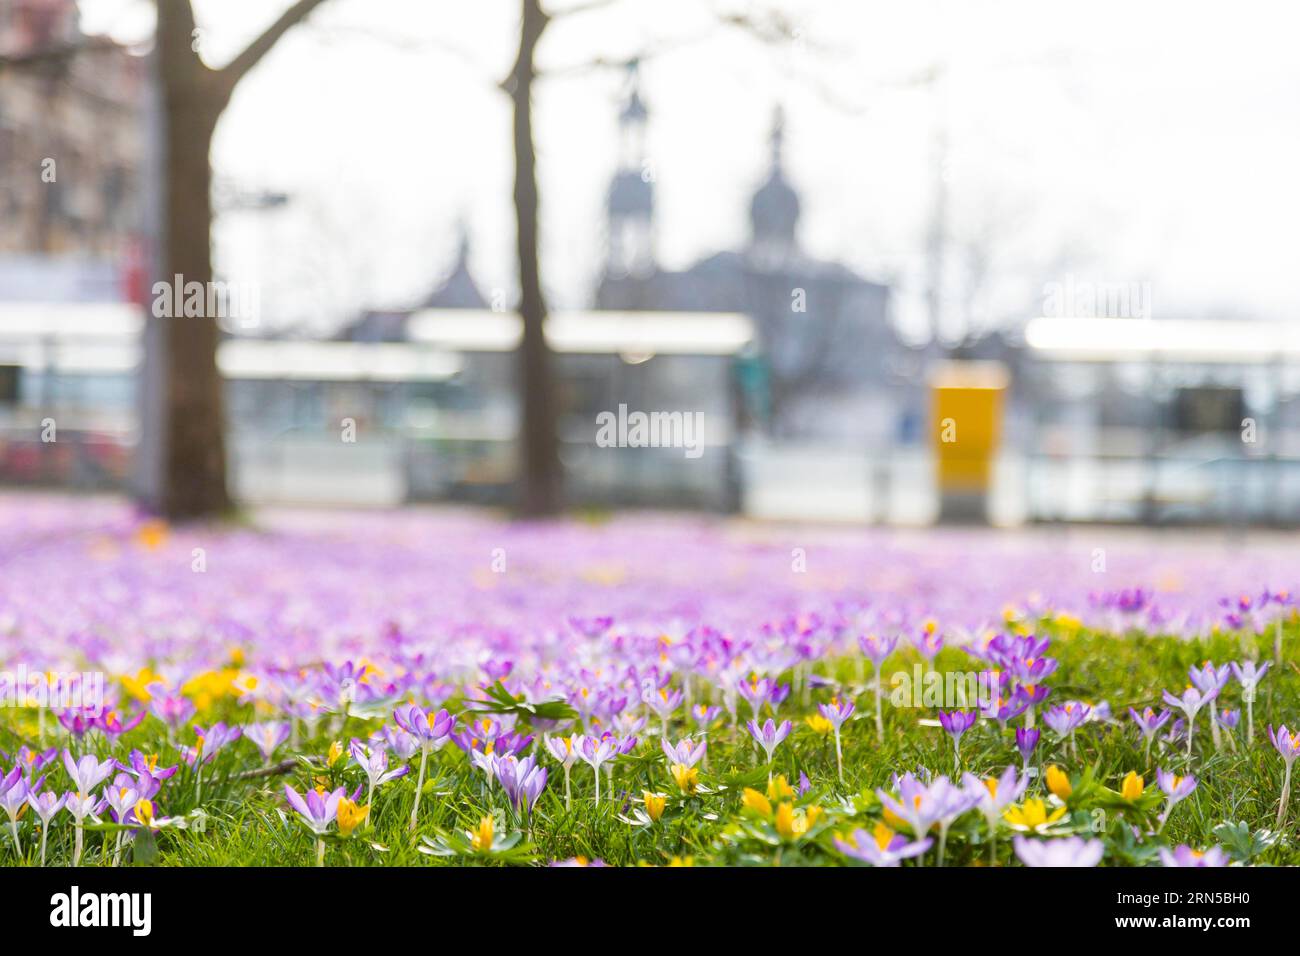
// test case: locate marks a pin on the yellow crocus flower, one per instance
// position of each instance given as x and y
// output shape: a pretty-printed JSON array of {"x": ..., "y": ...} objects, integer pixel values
[
  {"x": 1058, "y": 782},
  {"x": 351, "y": 815},
  {"x": 482, "y": 836},
  {"x": 1032, "y": 815},
  {"x": 753, "y": 800},
  {"x": 687, "y": 778},
  {"x": 819, "y": 724},
  {"x": 144, "y": 812},
  {"x": 779, "y": 788},
  {"x": 1132, "y": 786},
  {"x": 654, "y": 804}
]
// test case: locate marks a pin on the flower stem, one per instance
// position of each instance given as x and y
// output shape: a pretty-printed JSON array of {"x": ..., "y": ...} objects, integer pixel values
[
  {"x": 1286, "y": 797},
  {"x": 419, "y": 787}
]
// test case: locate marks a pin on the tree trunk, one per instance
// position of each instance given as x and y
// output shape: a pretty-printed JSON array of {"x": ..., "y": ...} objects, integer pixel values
[
  {"x": 195, "y": 459},
  {"x": 539, "y": 481},
  {"x": 192, "y": 483}
]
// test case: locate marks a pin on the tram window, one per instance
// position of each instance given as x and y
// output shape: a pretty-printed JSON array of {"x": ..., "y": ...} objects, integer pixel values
[{"x": 9, "y": 384}]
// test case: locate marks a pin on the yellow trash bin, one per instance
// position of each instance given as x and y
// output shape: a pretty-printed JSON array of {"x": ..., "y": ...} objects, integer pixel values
[{"x": 966, "y": 425}]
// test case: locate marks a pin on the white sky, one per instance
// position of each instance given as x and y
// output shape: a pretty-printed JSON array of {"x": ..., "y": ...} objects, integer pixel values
[{"x": 1115, "y": 142}]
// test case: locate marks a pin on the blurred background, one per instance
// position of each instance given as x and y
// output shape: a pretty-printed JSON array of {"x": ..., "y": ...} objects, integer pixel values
[{"x": 979, "y": 262}]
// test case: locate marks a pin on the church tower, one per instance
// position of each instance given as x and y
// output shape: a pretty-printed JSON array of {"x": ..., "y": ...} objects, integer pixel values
[
  {"x": 630, "y": 202},
  {"x": 774, "y": 210}
]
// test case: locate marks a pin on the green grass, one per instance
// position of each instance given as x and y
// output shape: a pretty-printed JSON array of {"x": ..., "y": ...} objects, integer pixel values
[{"x": 247, "y": 821}]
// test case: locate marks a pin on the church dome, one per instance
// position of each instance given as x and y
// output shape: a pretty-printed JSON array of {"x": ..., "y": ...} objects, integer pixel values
[
  {"x": 630, "y": 194},
  {"x": 774, "y": 210}
]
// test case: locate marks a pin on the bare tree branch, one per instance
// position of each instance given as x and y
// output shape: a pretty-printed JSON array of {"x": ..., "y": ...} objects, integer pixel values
[
  {"x": 580, "y": 8},
  {"x": 405, "y": 44},
  {"x": 284, "y": 766},
  {"x": 234, "y": 71}
]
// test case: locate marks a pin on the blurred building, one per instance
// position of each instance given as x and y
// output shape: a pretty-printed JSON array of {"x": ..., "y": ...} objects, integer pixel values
[
  {"x": 71, "y": 154},
  {"x": 826, "y": 346}
]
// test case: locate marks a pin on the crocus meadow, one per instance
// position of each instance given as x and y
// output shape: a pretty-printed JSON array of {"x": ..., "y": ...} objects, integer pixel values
[{"x": 443, "y": 687}]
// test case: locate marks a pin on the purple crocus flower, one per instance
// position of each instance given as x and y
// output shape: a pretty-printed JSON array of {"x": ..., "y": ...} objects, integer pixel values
[
  {"x": 12, "y": 802},
  {"x": 1066, "y": 718},
  {"x": 877, "y": 649},
  {"x": 685, "y": 751},
  {"x": 1026, "y": 741},
  {"x": 928, "y": 643},
  {"x": 837, "y": 711},
  {"x": 1288, "y": 745},
  {"x": 769, "y": 735},
  {"x": 664, "y": 702},
  {"x": 522, "y": 780},
  {"x": 374, "y": 764},
  {"x": 1062, "y": 851},
  {"x": 110, "y": 723},
  {"x": 1226, "y": 718},
  {"x": 172, "y": 709},
  {"x": 1031, "y": 671},
  {"x": 1149, "y": 722},
  {"x": 81, "y": 806},
  {"x": 595, "y": 751},
  {"x": 432, "y": 731},
  {"x": 87, "y": 773},
  {"x": 956, "y": 723},
  {"x": 562, "y": 749},
  {"x": 757, "y": 692},
  {"x": 46, "y": 805},
  {"x": 1185, "y": 856},
  {"x": 1249, "y": 675},
  {"x": 1176, "y": 788},
  {"x": 144, "y": 767},
  {"x": 318, "y": 810},
  {"x": 429, "y": 728},
  {"x": 121, "y": 795},
  {"x": 1003, "y": 709},
  {"x": 704, "y": 715},
  {"x": 922, "y": 805},
  {"x": 995, "y": 794},
  {"x": 78, "y": 722},
  {"x": 1190, "y": 704},
  {"x": 578, "y": 861},
  {"x": 1209, "y": 678},
  {"x": 31, "y": 761},
  {"x": 882, "y": 848},
  {"x": 268, "y": 736},
  {"x": 397, "y": 741},
  {"x": 210, "y": 742}
]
